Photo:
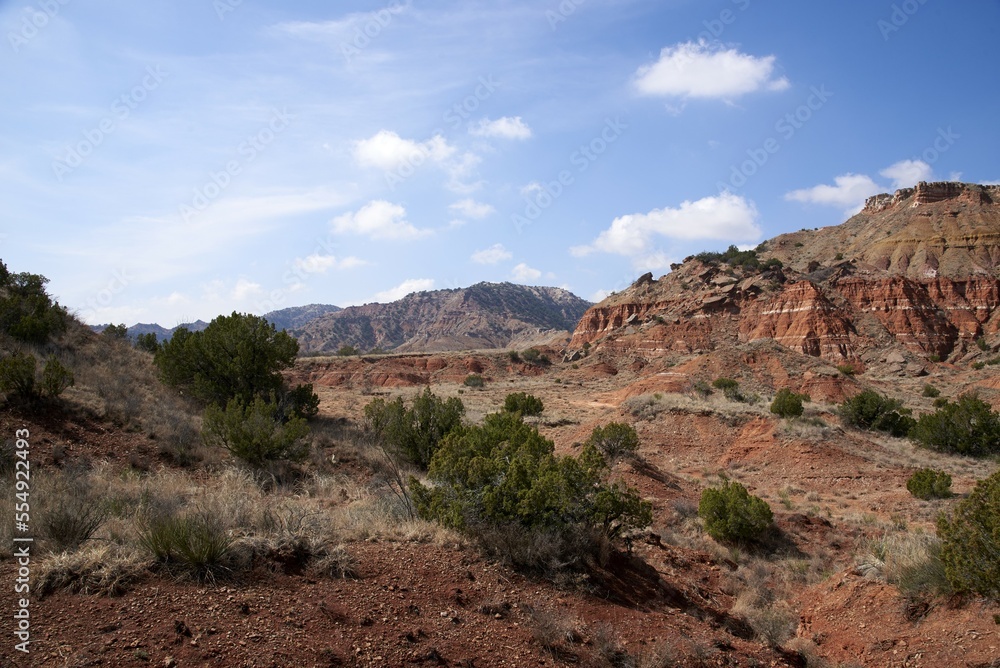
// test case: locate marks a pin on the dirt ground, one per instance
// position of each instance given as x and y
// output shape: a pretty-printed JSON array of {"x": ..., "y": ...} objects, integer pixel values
[{"x": 677, "y": 599}]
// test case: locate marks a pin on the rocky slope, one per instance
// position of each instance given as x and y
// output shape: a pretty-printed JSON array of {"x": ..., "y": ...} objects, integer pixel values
[
  {"x": 299, "y": 316},
  {"x": 914, "y": 277},
  {"x": 485, "y": 315}
]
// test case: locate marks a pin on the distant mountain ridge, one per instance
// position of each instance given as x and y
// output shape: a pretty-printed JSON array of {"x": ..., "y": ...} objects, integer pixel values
[
  {"x": 484, "y": 315},
  {"x": 287, "y": 319}
]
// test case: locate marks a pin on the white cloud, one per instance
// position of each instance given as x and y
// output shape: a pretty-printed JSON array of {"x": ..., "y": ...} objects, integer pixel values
[
  {"x": 320, "y": 264},
  {"x": 599, "y": 296},
  {"x": 470, "y": 208},
  {"x": 245, "y": 288},
  {"x": 908, "y": 173},
  {"x": 725, "y": 217},
  {"x": 405, "y": 288},
  {"x": 955, "y": 176},
  {"x": 460, "y": 171},
  {"x": 849, "y": 193},
  {"x": 378, "y": 220},
  {"x": 387, "y": 151},
  {"x": 523, "y": 272},
  {"x": 343, "y": 28},
  {"x": 699, "y": 70},
  {"x": 531, "y": 188},
  {"x": 505, "y": 128},
  {"x": 492, "y": 255}
]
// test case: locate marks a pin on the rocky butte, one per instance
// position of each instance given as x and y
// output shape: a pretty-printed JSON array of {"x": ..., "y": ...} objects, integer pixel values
[{"x": 913, "y": 277}]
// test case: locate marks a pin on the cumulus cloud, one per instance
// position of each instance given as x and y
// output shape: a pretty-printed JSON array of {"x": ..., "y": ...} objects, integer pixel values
[
  {"x": 505, "y": 128},
  {"x": 700, "y": 70},
  {"x": 245, "y": 288},
  {"x": 523, "y": 272},
  {"x": 849, "y": 192},
  {"x": 908, "y": 173},
  {"x": 379, "y": 220},
  {"x": 492, "y": 255},
  {"x": 470, "y": 208},
  {"x": 406, "y": 287},
  {"x": 317, "y": 263},
  {"x": 727, "y": 217},
  {"x": 387, "y": 151}
]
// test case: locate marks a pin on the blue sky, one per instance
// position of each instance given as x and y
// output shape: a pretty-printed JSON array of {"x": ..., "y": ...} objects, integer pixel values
[{"x": 167, "y": 161}]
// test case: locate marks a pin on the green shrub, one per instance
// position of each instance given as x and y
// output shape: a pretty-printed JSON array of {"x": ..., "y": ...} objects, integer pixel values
[
  {"x": 702, "y": 388},
  {"x": 119, "y": 332},
  {"x": 978, "y": 365},
  {"x": 347, "y": 351},
  {"x": 872, "y": 411},
  {"x": 930, "y": 391},
  {"x": 300, "y": 401},
  {"x": 504, "y": 473},
  {"x": 970, "y": 540},
  {"x": 929, "y": 484},
  {"x": 474, "y": 380},
  {"x": 730, "y": 389},
  {"x": 523, "y": 403},
  {"x": 55, "y": 378},
  {"x": 535, "y": 357},
  {"x": 514, "y": 356},
  {"x": 847, "y": 369},
  {"x": 197, "y": 543},
  {"x": 725, "y": 384},
  {"x": 17, "y": 376},
  {"x": 788, "y": 404},
  {"x": 733, "y": 515},
  {"x": 414, "y": 432},
  {"x": 27, "y": 313},
  {"x": 147, "y": 342},
  {"x": 966, "y": 427},
  {"x": 982, "y": 344},
  {"x": 615, "y": 440},
  {"x": 240, "y": 356},
  {"x": 255, "y": 432}
]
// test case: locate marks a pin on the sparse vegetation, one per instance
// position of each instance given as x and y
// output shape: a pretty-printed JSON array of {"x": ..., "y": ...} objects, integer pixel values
[
  {"x": 731, "y": 390},
  {"x": 929, "y": 484},
  {"x": 414, "y": 432},
  {"x": 847, "y": 369},
  {"x": 239, "y": 357},
  {"x": 788, "y": 404},
  {"x": 147, "y": 342},
  {"x": 733, "y": 515},
  {"x": 347, "y": 350},
  {"x": 871, "y": 411},
  {"x": 615, "y": 441},
  {"x": 970, "y": 540},
  {"x": 982, "y": 344},
  {"x": 966, "y": 427},
  {"x": 256, "y": 433},
  {"x": 734, "y": 257},
  {"x": 27, "y": 312},
  {"x": 535, "y": 357},
  {"x": 523, "y": 403},
  {"x": 19, "y": 379},
  {"x": 503, "y": 476},
  {"x": 474, "y": 380},
  {"x": 930, "y": 391}
]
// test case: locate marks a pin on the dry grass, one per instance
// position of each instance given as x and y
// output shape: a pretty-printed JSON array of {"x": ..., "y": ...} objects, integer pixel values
[
  {"x": 556, "y": 631},
  {"x": 911, "y": 561},
  {"x": 103, "y": 569}
]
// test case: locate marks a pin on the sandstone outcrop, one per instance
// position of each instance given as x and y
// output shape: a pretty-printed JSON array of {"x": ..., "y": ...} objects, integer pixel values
[{"x": 918, "y": 270}]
